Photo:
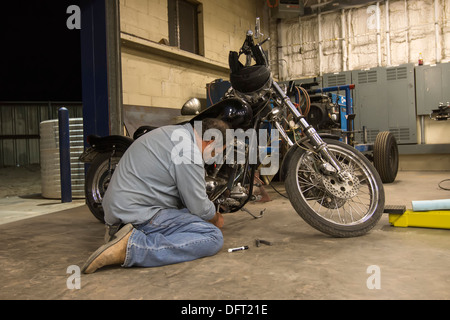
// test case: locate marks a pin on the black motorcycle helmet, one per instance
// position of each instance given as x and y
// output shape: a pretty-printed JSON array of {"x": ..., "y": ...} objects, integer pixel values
[{"x": 247, "y": 79}]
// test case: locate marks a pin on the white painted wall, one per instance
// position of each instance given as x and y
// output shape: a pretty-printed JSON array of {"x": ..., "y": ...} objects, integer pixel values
[
  {"x": 349, "y": 37},
  {"x": 353, "y": 39},
  {"x": 157, "y": 75}
]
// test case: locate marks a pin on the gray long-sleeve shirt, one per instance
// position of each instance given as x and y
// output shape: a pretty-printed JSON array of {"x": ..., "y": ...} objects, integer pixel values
[{"x": 160, "y": 170}]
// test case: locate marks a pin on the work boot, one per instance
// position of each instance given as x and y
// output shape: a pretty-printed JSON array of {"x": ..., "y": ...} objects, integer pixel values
[{"x": 113, "y": 252}]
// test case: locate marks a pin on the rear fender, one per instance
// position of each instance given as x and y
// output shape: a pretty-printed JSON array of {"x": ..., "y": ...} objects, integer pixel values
[{"x": 103, "y": 145}]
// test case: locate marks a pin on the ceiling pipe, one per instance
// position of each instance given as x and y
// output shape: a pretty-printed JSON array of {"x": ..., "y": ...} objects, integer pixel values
[
  {"x": 319, "y": 18},
  {"x": 436, "y": 26},
  {"x": 335, "y": 5},
  {"x": 378, "y": 34},
  {"x": 344, "y": 42},
  {"x": 281, "y": 61},
  {"x": 349, "y": 44},
  {"x": 388, "y": 34},
  {"x": 408, "y": 54}
]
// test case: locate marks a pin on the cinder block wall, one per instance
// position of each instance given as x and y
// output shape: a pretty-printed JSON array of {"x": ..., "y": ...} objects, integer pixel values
[{"x": 158, "y": 75}]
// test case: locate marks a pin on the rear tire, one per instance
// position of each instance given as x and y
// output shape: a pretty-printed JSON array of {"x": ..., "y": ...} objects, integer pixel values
[
  {"x": 344, "y": 209},
  {"x": 385, "y": 156},
  {"x": 97, "y": 181}
]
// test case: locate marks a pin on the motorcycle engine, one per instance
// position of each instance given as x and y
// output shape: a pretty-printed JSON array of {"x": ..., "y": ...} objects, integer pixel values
[{"x": 229, "y": 199}]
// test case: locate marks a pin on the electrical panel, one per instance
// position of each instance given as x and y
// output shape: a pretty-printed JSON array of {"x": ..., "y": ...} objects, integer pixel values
[
  {"x": 384, "y": 100},
  {"x": 402, "y": 103},
  {"x": 286, "y": 9},
  {"x": 432, "y": 87},
  {"x": 337, "y": 79}
]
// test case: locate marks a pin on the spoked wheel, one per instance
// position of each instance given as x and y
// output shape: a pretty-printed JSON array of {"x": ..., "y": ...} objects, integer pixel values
[
  {"x": 342, "y": 208},
  {"x": 97, "y": 180}
]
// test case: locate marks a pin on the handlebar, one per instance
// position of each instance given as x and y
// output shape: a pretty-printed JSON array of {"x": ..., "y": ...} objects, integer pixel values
[
  {"x": 249, "y": 38},
  {"x": 252, "y": 50}
]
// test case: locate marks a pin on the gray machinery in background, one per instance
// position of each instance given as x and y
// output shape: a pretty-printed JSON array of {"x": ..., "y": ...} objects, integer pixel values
[
  {"x": 391, "y": 98},
  {"x": 432, "y": 94},
  {"x": 385, "y": 101},
  {"x": 433, "y": 88}
]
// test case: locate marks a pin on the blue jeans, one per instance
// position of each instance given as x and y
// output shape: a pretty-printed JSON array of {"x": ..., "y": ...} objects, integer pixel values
[{"x": 172, "y": 236}]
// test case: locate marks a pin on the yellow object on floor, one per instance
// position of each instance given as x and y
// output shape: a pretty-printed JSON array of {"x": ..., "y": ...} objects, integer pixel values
[{"x": 424, "y": 219}]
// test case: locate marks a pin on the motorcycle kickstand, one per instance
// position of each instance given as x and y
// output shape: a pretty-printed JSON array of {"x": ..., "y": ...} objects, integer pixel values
[{"x": 255, "y": 217}]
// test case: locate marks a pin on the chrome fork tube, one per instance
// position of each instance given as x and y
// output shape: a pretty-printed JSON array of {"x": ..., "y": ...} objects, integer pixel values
[
  {"x": 283, "y": 133},
  {"x": 319, "y": 145}
]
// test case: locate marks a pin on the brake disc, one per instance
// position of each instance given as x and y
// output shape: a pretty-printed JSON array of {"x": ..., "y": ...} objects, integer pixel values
[{"x": 345, "y": 189}]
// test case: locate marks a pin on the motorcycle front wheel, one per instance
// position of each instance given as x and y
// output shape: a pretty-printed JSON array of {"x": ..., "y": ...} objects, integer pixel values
[{"x": 340, "y": 208}]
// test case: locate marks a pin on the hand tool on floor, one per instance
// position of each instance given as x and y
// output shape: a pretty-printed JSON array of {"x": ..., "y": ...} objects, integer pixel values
[
  {"x": 258, "y": 242},
  {"x": 255, "y": 217}
]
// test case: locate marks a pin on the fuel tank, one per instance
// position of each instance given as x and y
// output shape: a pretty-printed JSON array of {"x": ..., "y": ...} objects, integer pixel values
[{"x": 235, "y": 111}]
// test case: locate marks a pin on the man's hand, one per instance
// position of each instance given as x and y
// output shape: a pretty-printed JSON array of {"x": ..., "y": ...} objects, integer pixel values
[{"x": 217, "y": 220}]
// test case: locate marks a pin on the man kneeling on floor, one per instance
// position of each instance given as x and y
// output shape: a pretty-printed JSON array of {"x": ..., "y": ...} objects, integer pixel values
[{"x": 161, "y": 203}]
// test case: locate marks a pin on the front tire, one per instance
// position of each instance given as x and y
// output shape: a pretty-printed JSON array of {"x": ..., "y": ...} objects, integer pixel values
[{"x": 341, "y": 209}]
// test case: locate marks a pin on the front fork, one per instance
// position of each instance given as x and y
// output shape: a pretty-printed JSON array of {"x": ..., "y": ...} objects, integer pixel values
[{"x": 319, "y": 145}]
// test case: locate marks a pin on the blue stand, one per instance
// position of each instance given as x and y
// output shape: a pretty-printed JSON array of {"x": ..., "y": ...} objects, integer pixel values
[{"x": 64, "y": 155}]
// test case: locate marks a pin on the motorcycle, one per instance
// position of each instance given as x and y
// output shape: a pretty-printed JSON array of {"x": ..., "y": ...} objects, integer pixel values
[{"x": 330, "y": 184}]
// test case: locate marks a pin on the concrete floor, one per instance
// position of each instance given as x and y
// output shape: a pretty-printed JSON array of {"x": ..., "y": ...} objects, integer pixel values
[{"x": 302, "y": 263}]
